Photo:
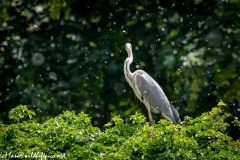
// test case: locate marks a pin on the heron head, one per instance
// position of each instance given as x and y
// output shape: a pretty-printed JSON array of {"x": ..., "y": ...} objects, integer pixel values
[{"x": 128, "y": 48}]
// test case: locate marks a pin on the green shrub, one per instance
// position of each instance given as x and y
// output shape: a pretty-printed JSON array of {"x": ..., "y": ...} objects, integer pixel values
[{"x": 71, "y": 136}]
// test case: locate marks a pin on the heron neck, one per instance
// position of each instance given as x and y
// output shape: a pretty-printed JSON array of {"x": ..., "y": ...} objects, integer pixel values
[{"x": 127, "y": 71}]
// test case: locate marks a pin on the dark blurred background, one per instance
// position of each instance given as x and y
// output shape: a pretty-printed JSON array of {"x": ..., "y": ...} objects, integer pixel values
[{"x": 58, "y": 55}]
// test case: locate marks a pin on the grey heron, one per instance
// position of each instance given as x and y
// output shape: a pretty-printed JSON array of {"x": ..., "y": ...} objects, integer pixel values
[{"x": 148, "y": 91}]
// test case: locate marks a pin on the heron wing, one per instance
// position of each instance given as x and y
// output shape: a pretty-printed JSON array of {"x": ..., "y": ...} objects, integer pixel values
[{"x": 152, "y": 93}]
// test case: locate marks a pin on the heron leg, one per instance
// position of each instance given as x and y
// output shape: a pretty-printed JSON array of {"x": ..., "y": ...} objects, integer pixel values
[
  {"x": 150, "y": 118},
  {"x": 149, "y": 113}
]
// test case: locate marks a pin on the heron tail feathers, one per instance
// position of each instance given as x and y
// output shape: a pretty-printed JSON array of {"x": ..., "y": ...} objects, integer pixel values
[{"x": 175, "y": 114}]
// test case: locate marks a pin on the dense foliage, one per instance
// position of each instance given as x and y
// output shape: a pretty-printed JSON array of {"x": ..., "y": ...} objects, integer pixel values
[
  {"x": 71, "y": 136},
  {"x": 68, "y": 55}
]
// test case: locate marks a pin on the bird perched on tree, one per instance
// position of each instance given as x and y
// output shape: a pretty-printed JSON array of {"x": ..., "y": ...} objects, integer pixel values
[{"x": 148, "y": 91}]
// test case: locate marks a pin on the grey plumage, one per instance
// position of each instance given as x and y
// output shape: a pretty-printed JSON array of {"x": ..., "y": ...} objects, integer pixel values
[{"x": 148, "y": 91}]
